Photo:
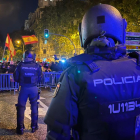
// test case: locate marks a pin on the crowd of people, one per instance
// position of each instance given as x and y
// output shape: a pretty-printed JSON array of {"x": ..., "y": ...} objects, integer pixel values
[
  {"x": 9, "y": 67},
  {"x": 52, "y": 66}
]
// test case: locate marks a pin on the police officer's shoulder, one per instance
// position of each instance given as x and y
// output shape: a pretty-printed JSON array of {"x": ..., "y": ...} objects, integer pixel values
[
  {"x": 20, "y": 63},
  {"x": 79, "y": 58},
  {"x": 66, "y": 71},
  {"x": 84, "y": 59},
  {"x": 135, "y": 55},
  {"x": 38, "y": 64}
]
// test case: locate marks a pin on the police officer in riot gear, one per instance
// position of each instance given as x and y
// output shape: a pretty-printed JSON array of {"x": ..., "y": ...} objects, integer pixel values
[
  {"x": 98, "y": 96},
  {"x": 27, "y": 74}
]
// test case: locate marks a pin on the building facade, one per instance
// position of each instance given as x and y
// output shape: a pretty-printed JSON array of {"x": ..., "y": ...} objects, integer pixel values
[
  {"x": 43, "y": 3},
  {"x": 43, "y": 50},
  {"x": 33, "y": 17}
]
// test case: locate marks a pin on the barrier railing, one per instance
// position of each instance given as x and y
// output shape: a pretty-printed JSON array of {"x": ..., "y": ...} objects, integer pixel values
[
  {"x": 7, "y": 82},
  {"x": 49, "y": 79}
]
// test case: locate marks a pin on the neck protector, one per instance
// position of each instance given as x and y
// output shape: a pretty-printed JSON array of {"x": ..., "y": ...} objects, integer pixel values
[{"x": 109, "y": 53}]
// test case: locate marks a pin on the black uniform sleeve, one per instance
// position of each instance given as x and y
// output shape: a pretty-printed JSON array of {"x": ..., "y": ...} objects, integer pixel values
[
  {"x": 17, "y": 73},
  {"x": 63, "y": 112}
]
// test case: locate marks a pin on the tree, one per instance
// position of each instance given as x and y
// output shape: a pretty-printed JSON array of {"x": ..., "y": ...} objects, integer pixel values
[
  {"x": 1, "y": 53},
  {"x": 62, "y": 20},
  {"x": 130, "y": 10},
  {"x": 18, "y": 56}
]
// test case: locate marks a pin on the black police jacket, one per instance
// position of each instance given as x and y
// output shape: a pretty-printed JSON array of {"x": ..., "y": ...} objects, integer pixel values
[
  {"x": 28, "y": 73},
  {"x": 98, "y": 98}
]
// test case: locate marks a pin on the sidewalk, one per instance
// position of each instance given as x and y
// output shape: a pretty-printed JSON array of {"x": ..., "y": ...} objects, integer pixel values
[{"x": 8, "y": 117}]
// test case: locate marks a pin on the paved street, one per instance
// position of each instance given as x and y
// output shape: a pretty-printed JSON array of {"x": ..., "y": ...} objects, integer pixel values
[{"x": 8, "y": 117}]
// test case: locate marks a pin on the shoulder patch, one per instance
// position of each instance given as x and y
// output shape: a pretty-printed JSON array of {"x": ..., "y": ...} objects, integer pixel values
[
  {"x": 56, "y": 89},
  {"x": 92, "y": 66}
]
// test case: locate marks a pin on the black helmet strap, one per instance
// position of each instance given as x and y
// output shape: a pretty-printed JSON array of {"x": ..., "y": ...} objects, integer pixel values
[{"x": 80, "y": 35}]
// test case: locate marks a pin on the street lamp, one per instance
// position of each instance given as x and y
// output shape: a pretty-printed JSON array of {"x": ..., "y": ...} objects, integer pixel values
[{"x": 18, "y": 41}]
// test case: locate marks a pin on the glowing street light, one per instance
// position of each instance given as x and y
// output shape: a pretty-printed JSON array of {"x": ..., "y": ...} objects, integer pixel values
[
  {"x": 18, "y": 41},
  {"x": 46, "y": 35},
  {"x": 63, "y": 60}
]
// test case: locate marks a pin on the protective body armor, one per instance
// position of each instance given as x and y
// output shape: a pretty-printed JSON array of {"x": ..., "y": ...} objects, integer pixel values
[
  {"x": 28, "y": 74},
  {"x": 98, "y": 98}
]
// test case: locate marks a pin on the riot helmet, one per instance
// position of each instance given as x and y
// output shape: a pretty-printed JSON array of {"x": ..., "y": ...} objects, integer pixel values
[
  {"x": 102, "y": 20},
  {"x": 29, "y": 54}
]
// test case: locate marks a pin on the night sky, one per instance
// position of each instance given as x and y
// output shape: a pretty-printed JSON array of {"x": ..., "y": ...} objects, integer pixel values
[{"x": 13, "y": 13}]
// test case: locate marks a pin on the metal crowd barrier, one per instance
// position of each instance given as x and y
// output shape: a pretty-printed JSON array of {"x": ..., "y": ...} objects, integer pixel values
[
  {"x": 7, "y": 82},
  {"x": 49, "y": 79}
]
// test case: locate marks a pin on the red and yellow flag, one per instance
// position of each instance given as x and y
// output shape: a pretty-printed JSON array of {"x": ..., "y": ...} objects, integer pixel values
[
  {"x": 30, "y": 39},
  {"x": 10, "y": 46}
]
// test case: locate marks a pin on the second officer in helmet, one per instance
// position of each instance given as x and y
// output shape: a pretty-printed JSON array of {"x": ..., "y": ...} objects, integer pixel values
[
  {"x": 27, "y": 74},
  {"x": 98, "y": 97}
]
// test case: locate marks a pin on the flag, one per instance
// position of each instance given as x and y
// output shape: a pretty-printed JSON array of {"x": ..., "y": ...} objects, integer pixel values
[
  {"x": 10, "y": 46},
  {"x": 30, "y": 39}
]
